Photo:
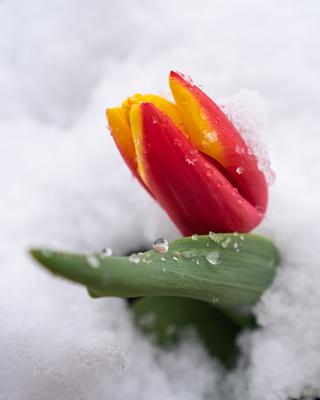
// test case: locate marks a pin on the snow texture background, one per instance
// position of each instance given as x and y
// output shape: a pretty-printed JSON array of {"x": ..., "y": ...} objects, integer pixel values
[{"x": 64, "y": 185}]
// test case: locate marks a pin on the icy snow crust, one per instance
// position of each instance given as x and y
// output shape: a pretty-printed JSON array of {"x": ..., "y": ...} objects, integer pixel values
[{"x": 64, "y": 185}]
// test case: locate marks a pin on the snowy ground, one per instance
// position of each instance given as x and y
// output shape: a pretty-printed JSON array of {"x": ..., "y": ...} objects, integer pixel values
[{"x": 64, "y": 185}]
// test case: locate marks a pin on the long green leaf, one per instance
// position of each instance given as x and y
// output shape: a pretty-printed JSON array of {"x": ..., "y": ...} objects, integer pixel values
[{"x": 230, "y": 270}]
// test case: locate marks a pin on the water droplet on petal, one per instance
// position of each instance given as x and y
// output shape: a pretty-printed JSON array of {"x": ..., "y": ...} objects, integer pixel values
[
  {"x": 239, "y": 149},
  {"x": 209, "y": 172},
  {"x": 234, "y": 191},
  {"x": 213, "y": 258},
  {"x": 240, "y": 170},
  {"x": 211, "y": 136},
  {"x": 161, "y": 245},
  {"x": 93, "y": 261}
]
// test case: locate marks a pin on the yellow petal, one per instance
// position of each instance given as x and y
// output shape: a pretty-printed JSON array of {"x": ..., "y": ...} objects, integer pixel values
[
  {"x": 197, "y": 123},
  {"x": 121, "y": 133}
]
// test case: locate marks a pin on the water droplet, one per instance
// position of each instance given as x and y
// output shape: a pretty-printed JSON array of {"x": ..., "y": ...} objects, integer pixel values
[
  {"x": 241, "y": 237},
  {"x": 240, "y": 170},
  {"x": 177, "y": 142},
  {"x": 189, "y": 253},
  {"x": 211, "y": 137},
  {"x": 191, "y": 161},
  {"x": 213, "y": 257},
  {"x": 154, "y": 120},
  {"x": 192, "y": 156},
  {"x": 164, "y": 270},
  {"x": 234, "y": 191},
  {"x": 93, "y": 261},
  {"x": 212, "y": 235},
  {"x": 239, "y": 149},
  {"x": 106, "y": 252},
  {"x": 161, "y": 245},
  {"x": 216, "y": 237},
  {"x": 236, "y": 247},
  {"x": 215, "y": 300},
  {"x": 175, "y": 258},
  {"x": 219, "y": 184},
  {"x": 225, "y": 243},
  {"x": 209, "y": 172},
  {"x": 134, "y": 258},
  {"x": 195, "y": 236},
  {"x": 163, "y": 259}
]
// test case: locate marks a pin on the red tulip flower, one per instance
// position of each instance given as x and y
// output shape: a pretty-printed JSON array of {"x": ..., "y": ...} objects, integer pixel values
[{"x": 192, "y": 159}]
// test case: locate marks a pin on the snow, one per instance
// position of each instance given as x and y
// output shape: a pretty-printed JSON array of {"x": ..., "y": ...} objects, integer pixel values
[{"x": 64, "y": 185}]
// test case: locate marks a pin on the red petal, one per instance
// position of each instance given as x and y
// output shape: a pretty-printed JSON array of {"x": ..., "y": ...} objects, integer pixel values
[
  {"x": 195, "y": 194},
  {"x": 201, "y": 115}
]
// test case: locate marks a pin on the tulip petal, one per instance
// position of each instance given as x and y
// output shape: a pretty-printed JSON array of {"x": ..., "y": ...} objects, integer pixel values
[
  {"x": 161, "y": 103},
  {"x": 194, "y": 192},
  {"x": 213, "y": 134},
  {"x": 121, "y": 133}
]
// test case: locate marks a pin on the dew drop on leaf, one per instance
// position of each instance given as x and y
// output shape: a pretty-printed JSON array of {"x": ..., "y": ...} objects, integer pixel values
[
  {"x": 161, "y": 245},
  {"x": 106, "y": 252},
  {"x": 134, "y": 258},
  {"x": 213, "y": 258},
  {"x": 189, "y": 253},
  {"x": 225, "y": 243},
  {"x": 93, "y": 261}
]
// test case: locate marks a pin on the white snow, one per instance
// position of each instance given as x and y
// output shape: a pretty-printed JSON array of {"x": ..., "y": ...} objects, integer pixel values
[{"x": 64, "y": 185}]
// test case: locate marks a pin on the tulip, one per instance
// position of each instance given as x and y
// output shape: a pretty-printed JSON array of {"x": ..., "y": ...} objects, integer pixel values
[{"x": 191, "y": 159}]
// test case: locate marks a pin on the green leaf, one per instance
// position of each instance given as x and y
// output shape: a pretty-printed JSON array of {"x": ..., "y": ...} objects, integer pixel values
[
  {"x": 230, "y": 270},
  {"x": 166, "y": 320}
]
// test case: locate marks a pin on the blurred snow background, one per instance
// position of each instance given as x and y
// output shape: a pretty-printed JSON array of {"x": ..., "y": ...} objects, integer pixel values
[{"x": 64, "y": 185}]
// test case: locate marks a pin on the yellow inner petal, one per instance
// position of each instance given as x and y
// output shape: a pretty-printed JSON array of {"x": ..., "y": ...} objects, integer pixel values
[
  {"x": 121, "y": 132},
  {"x": 196, "y": 120}
]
